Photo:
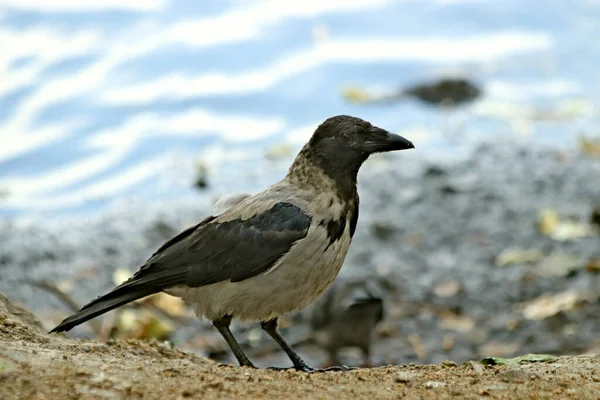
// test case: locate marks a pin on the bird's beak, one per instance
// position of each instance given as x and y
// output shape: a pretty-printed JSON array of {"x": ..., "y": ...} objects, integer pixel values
[{"x": 382, "y": 140}]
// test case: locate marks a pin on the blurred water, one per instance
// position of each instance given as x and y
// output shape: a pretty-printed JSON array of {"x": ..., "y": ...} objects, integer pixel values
[{"x": 111, "y": 100}]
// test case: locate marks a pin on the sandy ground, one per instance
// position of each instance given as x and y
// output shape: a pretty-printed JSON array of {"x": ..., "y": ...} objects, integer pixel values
[{"x": 35, "y": 365}]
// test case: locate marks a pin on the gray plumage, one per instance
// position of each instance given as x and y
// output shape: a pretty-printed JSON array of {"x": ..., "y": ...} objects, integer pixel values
[
  {"x": 224, "y": 203},
  {"x": 270, "y": 253},
  {"x": 346, "y": 315}
]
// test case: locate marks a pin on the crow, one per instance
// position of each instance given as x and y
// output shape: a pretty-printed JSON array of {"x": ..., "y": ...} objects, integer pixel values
[
  {"x": 347, "y": 314},
  {"x": 271, "y": 253}
]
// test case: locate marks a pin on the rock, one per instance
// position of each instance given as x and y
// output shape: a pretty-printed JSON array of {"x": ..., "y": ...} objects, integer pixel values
[
  {"x": 201, "y": 175},
  {"x": 434, "y": 384},
  {"x": 515, "y": 375},
  {"x": 477, "y": 367},
  {"x": 403, "y": 377},
  {"x": 382, "y": 230},
  {"x": 445, "y": 91},
  {"x": 433, "y": 171},
  {"x": 595, "y": 216},
  {"x": 18, "y": 323}
]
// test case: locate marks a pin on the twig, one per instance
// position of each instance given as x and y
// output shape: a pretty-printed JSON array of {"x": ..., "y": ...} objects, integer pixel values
[{"x": 67, "y": 300}]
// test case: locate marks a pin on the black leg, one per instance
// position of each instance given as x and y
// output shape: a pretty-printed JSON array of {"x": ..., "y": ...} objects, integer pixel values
[
  {"x": 366, "y": 351},
  {"x": 222, "y": 325},
  {"x": 271, "y": 328}
]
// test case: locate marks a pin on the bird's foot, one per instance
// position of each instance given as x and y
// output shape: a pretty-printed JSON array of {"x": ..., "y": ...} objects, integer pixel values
[
  {"x": 249, "y": 365},
  {"x": 337, "y": 368},
  {"x": 309, "y": 369}
]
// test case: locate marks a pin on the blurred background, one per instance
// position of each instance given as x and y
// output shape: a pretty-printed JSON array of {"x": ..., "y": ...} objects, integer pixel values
[{"x": 121, "y": 123}]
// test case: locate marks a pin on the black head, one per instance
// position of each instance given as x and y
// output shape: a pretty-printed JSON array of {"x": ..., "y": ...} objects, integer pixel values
[
  {"x": 347, "y": 142},
  {"x": 339, "y": 147}
]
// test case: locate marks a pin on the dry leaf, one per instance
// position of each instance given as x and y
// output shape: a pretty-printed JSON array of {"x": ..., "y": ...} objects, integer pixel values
[
  {"x": 155, "y": 328},
  {"x": 558, "y": 264},
  {"x": 548, "y": 220},
  {"x": 417, "y": 346},
  {"x": 498, "y": 349},
  {"x": 447, "y": 289},
  {"x": 415, "y": 239},
  {"x": 568, "y": 230},
  {"x": 456, "y": 322},
  {"x": 447, "y": 342},
  {"x": 65, "y": 286},
  {"x": 552, "y": 225},
  {"x": 590, "y": 147},
  {"x": 548, "y": 305},
  {"x": 593, "y": 265},
  {"x": 142, "y": 324},
  {"x": 121, "y": 275},
  {"x": 170, "y": 305},
  {"x": 127, "y": 320},
  {"x": 355, "y": 95},
  {"x": 518, "y": 256}
]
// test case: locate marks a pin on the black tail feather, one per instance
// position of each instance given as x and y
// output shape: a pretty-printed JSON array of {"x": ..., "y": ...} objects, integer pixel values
[{"x": 118, "y": 297}]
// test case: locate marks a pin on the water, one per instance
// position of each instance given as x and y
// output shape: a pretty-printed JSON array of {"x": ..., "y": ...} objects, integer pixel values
[{"x": 104, "y": 101}]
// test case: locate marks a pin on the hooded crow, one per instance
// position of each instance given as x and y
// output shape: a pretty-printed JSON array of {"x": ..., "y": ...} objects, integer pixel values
[
  {"x": 271, "y": 253},
  {"x": 347, "y": 314}
]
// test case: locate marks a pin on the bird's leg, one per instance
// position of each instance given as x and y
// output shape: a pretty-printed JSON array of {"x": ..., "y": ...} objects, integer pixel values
[
  {"x": 366, "y": 352},
  {"x": 222, "y": 325},
  {"x": 332, "y": 357},
  {"x": 271, "y": 328}
]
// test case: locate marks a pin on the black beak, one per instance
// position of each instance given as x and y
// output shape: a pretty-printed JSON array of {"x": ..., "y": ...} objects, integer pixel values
[{"x": 382, "y": 140}]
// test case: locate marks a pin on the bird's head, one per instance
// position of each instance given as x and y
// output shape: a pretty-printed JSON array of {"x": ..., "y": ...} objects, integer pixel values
[{"x": 346, "y": 142}]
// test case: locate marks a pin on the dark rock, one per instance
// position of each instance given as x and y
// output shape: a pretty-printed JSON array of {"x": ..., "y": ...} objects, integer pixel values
[
  {"x": 447, "y": 91},
  {"x": 595, "y": 217}
]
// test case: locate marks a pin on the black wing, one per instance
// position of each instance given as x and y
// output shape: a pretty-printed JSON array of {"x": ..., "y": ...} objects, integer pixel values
[
  {"x": 182, "y": 235},
  {"x": 207, "y": 253}
]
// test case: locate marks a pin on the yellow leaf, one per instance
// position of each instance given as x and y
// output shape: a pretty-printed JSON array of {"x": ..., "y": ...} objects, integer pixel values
[{"x": 355, "y": 95}]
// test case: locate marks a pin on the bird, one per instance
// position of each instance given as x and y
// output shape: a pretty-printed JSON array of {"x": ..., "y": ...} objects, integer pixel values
[
  {"x": 273, "y": 252},
  {"x": 346, "y": 315},
  {"x": 446, "y": 91}
]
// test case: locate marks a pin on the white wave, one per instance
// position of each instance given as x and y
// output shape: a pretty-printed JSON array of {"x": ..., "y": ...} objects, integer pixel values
[
  {"x": 194, "y": 122},
  {"x": 68, "y": 6},
  {"x": 431, "y": 50},
  {"x": 19, "y": 138},
  {"x": 547, "y": 88},
  {"x": 45, "y": 45},
  {"x": 109, "y": 187},
  {"x": 50, "y": 45},
  {"x": 114, "y": 144},
  {"x": 301, "y": 134},
  {"x": 456, "y": 2}
]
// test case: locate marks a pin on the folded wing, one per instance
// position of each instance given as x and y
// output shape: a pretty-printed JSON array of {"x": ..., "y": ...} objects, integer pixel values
[{"x": 207, "y": 253}]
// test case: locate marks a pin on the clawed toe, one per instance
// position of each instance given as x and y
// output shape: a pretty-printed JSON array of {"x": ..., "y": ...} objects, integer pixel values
[
  {"x": 280, "y": 368},
  {"x": 306, "y": 368},
  {"x": 336, "y": 368}
]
